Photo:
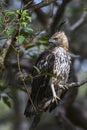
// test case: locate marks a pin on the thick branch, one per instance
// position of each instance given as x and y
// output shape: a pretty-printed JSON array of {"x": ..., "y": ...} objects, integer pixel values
[
  {"x": 59, "y": 15},
  {"x": 78, "y": 23},
  {"x": 3, "y": 53},
  {"x": 6, "y": 48},
  {"x": 40, "y": 5}
]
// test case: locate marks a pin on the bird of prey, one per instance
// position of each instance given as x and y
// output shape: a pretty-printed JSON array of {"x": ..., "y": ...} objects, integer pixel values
[{"x": 54, "y": 67}]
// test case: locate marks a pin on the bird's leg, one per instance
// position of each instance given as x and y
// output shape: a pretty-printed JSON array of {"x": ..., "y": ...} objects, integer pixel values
[{"x": 55, "y": 97}]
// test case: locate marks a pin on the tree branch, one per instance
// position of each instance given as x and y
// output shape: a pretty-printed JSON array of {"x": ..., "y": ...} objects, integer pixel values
[
  {"x": 78, "y": 23},
  {"x": 29, "y": 3},
  {"x": 40, "y": 5},
  {"x": 58, "y": 15},
  {"x": 48, "y": 104},
  {"x": 3, "y": 53},
  {"x": 76, "y": 84}
]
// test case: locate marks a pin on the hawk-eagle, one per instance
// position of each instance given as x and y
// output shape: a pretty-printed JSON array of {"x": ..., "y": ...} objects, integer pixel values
[{"x": 54, "y": 66}]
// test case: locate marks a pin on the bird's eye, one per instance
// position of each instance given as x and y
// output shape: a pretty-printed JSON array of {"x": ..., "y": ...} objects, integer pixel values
[{"x": 55, "y": 38}]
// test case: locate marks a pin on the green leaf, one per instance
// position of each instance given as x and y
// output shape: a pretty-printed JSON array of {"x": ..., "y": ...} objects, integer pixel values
[
  {"x": 29, "y": 18},
  {"x": 24, "y": 12},
  {"x": 85, "y": 8},
  {"x": 1, "y": 19},
  {"x": 29, "y": 29},
  {"x": 0, "y": 8},
  {"x": 6, "y": 101},
  {"x": 37, "y": 69},
  {"x": 17, "y": 11},
  {"x": 24, "y": 24},
  {"x": 9, "y": 13},
  {"x": 49, "y": 74},
  {"x": 20, "y": 38},
  {"x": 1, "y": 83},
  {"x": 10, "y": 31}
]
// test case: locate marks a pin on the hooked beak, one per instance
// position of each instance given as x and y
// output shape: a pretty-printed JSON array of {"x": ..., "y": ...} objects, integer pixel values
[{"x": 52, "y": 41}]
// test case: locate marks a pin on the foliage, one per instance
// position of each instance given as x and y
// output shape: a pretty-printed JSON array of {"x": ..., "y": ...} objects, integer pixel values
[
  {"x": 20, "y": 21},
  {"x": 11, "y": 21}
]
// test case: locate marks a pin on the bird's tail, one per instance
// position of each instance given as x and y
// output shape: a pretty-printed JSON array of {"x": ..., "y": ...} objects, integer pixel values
[{"x": 30, "y": 109}]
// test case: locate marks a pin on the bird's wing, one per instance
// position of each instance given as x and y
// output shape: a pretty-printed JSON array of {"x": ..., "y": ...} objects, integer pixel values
[{"x": 45, "y": 63}]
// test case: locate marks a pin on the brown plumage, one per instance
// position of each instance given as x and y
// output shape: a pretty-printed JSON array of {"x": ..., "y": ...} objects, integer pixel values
[{"x": 55, "y": 61}]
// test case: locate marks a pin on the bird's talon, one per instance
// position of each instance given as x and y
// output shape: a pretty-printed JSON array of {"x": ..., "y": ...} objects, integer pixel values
[
  {"x": 63, "y": 87},
  {"x": 55, "y": 99},
  {"x": 66, "y": 87}
]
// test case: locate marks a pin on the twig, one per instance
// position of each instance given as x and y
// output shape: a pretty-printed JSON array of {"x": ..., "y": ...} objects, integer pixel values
[
  {"x": 23, "y": 81},
  {"x": 28, "y": 4},
  {"x": 40, "y": 5},
  {"x": 76, "y": 84}
]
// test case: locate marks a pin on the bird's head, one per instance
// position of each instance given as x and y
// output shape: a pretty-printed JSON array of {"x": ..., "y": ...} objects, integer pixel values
[{"x": 59, "y": 39}]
